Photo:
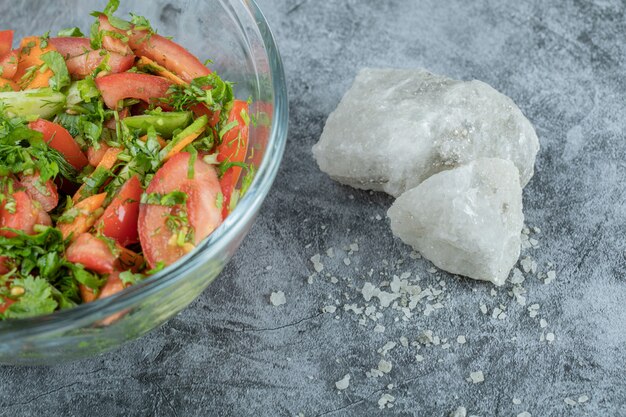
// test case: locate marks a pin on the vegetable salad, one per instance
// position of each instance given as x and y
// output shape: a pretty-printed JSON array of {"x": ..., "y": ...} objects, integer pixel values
[{"x": 119, "y": 152}]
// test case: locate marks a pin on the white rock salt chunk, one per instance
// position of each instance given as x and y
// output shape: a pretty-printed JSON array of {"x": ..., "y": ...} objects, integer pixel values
[
  {"x": 524, "y": 414},
  {"x": 329, "y": 309},
  {"x": 466, "y": 221},
  {"x": 386, "y": 400},
  {"x": 317, "y": 264},
  {"x": 417, "y": 125},
  {"x": 385, "y": 366}
]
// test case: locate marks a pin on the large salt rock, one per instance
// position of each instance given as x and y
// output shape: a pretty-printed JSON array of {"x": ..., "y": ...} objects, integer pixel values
[
  {"x": 395, "y": 128},
  {"x": 467, "y": 220}
]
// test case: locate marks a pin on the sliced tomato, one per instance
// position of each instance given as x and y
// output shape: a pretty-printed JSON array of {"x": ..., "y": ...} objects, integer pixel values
[
  {"x": 233, "y": 148},
  {"x": 3, "y": 266},
  {"x": 5, "y": 303},
  {"x": 92, "y": 253},
  {"x": 109, "y": 42},
  {"x": 60, "y": 139},
  {"x": 70, "y": 47},
  {"x": 203, "y": 214},
  {"x": 163, "y": 51},
  {"x": 8, "y": 64},
  {"x": 45, "y": 193},
  {"x": 27, "y": 214},
  {"x": 116, "y": 87},
  {"x": 113, "y": 285},
  {"x": 82, "y": 66},
  {"x": 119, "y": 220},
  {"x": 95, "y": 155},
  {"x": 6, "y": 41}
]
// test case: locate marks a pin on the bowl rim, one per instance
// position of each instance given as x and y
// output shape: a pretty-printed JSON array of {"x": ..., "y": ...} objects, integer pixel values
[{"x": 11, "y": 331}]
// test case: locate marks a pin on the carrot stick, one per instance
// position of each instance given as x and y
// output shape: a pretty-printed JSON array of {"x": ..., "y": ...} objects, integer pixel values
[
  {"x": 82, "y": 216},
  {"x": 106, "y": 163},
  {"x": 184, "y": 138},
  {"x": 159, "y": 139},
  {"x": 4, "y": 83},
  {"x": 28, "y": 74}
]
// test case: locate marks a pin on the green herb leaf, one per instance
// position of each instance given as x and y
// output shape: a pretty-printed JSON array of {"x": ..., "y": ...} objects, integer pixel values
[
  {"x": 35, "y": 300},
  {"x": 70, "y": 33},
  {"x": 56, "y": 63}
]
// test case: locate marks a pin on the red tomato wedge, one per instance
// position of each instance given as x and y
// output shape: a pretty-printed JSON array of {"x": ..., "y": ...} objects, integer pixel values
[
  {"x": 161, "y": 50},
  {"x": 26, "y": 215},
  {"x": 3, "y": 267},
  {"x": 113, "y": 285},
  {"x": 46, "y": 194},
  {"x": 70, "y": 47},
  {"x": 5, "y": 303},
  {"x": 95, "y": 155},
  {"x": 8, "y": 63},
  {"x": 119, "y": 220},
  {"x": 83, "y": 65},
  {"x": 6, "y": 41},
  {"x": 92, "y": 253},
  {"x": 234, "y": 148},
  {"x": 116, "y": 87},
  {"x": 60, "y": 139},
  {"x": 157, "y": 240}
]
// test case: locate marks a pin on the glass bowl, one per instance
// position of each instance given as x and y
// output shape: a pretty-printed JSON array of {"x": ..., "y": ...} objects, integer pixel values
[{"x": 235, "y": 36}]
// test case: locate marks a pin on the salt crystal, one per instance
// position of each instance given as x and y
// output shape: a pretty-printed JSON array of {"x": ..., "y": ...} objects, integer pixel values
[
  {"x": 551, "y": 276},
  {"x": 317, "y": 265},
  {"x": 386, "y": 401},
  {"x": 569, "y": 401},
  {"x": 278, "y": 298},
  {"x": 354, "y": 247},
  {"x": 550, "y": 337},
  {"x": 419, "y": 124},
  {"x": 461, "y": 340},
  {"x": 517, "y": 277},
  {"x": 419, "y": 358},
  {"x": 386, "y": 348},
  {"x": 384, "y": 366},
  {"x": 466, "y": 221},
  {"x": 543, "y": 323},
  {"x": 378, "y": 217},
  {"x": 330, "y": 252},
  {"x": 517, "y": 401},
  {"x": 459, "y": 412},
  {"x": 329, "y": 309},
  {"x": 369, "y": 291},
  {"x": 404, "y": 341},
  {"x": 483, "y": 308},
  {"x": 343, "y": 383},
  {"x": 583, "y": 399},
  {"x": 379, "y": 328},
  {"x": 524, "y": 414},
  {"x": 476, "y": 377},
  {"x": 347, "y": 261}
]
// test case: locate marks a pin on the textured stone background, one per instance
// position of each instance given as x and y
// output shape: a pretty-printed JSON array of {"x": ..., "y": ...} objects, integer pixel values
[{"x": 232, "y": 354}]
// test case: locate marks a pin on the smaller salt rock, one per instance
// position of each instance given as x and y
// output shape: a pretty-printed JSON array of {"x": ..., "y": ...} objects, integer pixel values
[
  {"x": 459, "y": 412},
  {"x": 466, "y": 220}
]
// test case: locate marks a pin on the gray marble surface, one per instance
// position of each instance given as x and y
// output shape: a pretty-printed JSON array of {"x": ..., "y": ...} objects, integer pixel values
[{"x": 231, "y": 353}]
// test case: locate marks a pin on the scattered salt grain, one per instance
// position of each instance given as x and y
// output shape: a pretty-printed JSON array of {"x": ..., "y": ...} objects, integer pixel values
[
  {"x": 404, "y": 341},
  {"x": 386, "y": 348},
  {"x": 543, "y": 323},
  {"x": 378, "y": 217},
  {"x": 379, "y": 328},
  {"x": 517, "y": 277},
  {"x": 419, "y": 358},
  {"x": 354, "y": 247},
  {"x": 385, "y": 366},
  {"x": 330, "y": 252},
  {"x": 476, "y": 377},
  {"x": 569, "y": 401},
  {"x": 524, "y": 414},
  {"x": 551, "y": 276},
  {"x": 550, "y": 337},
  {"x": 517, "y": 401},
  {"x": 386, "y": 401},
  {"x": 317, "y": 264},
  {"x": 343, "y": 383},
  {"x": 483, "y": 308},
  {"x": 278, "y": 298},
  {"x": 461, "y": 340},
  {"x": 347, "y": 261},
  {"x": 329, "y": 309},
  {"x": 459, "y": 412},
  {"x": 583, "y": 399}
]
